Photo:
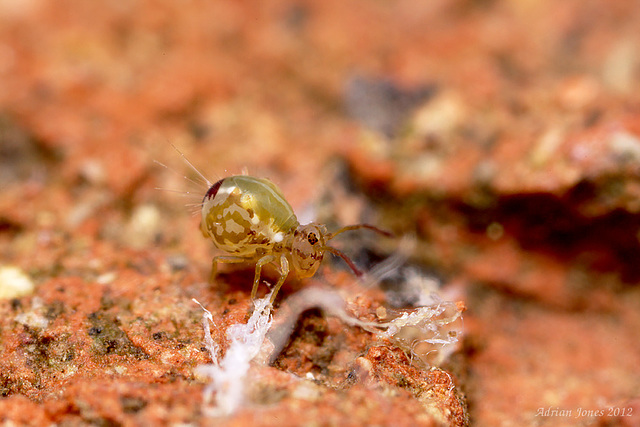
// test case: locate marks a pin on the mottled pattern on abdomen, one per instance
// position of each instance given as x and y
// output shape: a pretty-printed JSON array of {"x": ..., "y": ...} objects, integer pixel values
[
  {"x": 231, "y": 229},
  {"x": 236, "y": 219}
]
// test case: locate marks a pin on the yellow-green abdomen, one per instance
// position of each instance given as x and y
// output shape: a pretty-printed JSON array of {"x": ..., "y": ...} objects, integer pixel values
[{"x": 246, "y": 216}]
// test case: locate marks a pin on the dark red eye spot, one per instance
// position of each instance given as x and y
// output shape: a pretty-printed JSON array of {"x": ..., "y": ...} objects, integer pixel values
[{"x": 213, "y": 190}]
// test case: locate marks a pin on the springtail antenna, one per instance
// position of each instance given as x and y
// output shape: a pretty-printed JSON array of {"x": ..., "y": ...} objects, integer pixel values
[
  {"x": 346, "y": 259},
  {"x": 357, "y": 226}
]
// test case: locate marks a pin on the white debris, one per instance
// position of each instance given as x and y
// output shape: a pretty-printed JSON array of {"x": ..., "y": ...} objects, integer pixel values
[
  {"x": 431, "y": 329},
  {"x": 626, "y": 146},
  {"x": 143, "y": 226},
  {"x": 14, "y": 283},
  {"x": 106, "y": 278},
  {"x": 34, "y": 318},
  {"x": 428, "y": 333},
  {"x": 228, "y": 376},
  {"x": 93, "y": 171},
  {"x": 210, "y": 344}
]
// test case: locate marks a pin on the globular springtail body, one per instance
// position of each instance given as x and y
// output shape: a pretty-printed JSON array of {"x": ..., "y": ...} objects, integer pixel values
[{"x": 251, "y": 221}]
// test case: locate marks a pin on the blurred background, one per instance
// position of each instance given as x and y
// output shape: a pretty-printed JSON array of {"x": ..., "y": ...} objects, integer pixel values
[{"x": 504, "y": 136}]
